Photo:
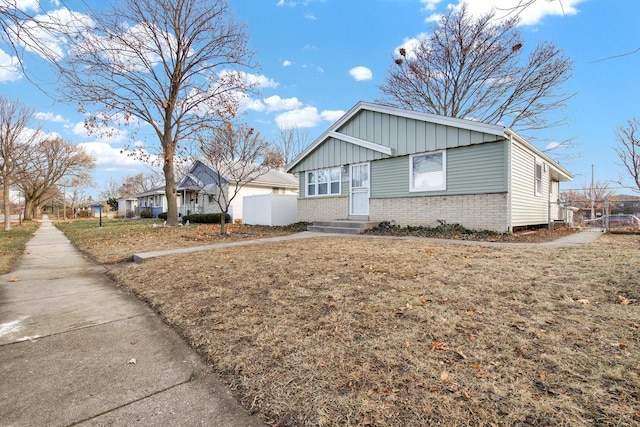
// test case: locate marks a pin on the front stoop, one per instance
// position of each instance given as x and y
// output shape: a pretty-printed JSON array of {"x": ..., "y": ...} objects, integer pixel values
[{"x": 341, "y": 226}]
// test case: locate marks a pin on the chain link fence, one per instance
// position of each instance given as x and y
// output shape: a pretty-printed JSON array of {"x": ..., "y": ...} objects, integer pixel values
[{"x": 613, "y": 213}]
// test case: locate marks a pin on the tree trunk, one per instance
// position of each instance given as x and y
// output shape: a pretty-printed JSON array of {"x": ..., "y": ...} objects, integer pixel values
[
  {"x": 7, "y": 208},
  {"x": 28, "y": 215},
  {"x": 223, "y": 217},
  {"x": 170, "y": 189}
]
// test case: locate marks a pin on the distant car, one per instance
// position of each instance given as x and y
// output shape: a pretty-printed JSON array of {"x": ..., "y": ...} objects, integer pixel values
[{"x": 615, "y": 220}]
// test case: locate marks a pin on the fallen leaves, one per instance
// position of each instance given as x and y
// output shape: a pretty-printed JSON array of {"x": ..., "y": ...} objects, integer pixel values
[
  {"x": 437, "y": 345},
  {"x": 14, "y": 280},
  {"x": 625, "y": 301}
]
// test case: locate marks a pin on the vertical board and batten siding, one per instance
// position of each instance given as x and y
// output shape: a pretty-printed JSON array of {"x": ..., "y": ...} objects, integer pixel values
[
  {"x": 476, "y": 169},
  {"x": 333, "y": 153},
  {"x": 526, "y": 207},
  {"x": 408, "y": 136}
]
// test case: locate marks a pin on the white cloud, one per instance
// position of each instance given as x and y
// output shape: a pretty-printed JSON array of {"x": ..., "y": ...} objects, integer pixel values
[
  {"x": 23, "y": 5},
  {"x": 553, "y": 146},
  {"x": 286, "y": 3},
  {"x": 35, "y": 135},
  {"x": 306, "y": 117},
  {"x": 45, "y": 34},
  {"x": 249, "y": 104},
  {"x": 410, "y": 45},
  {"x": 257, "y": 80},
  {"x": 106, "y": 134},
  {"x": 9, "y": 68},
  {"x": 276, "y": 103},
  {"x": 105, "y": 154},
  {"x": 286, "y": 63},
  {"x": 361, "y": 73},
  {"x": 430, "y": 4},
  {"x": 332, "y": 115},
  {"x": 51, "y": 117},
  {"x": 310, "y": 17},
  {"x": 529, "y": 15},
  {"x": 435, "y": 17}
]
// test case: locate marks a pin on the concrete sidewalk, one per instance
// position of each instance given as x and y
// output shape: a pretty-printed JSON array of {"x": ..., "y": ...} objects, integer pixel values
[
  {"x": 74, "y": 350},
  {"x": 576, "y": 239}
]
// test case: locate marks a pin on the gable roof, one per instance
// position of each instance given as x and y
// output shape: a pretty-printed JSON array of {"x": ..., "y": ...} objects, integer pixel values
[
  {"x": 272, "y": 178},
  {"x": 332, "y": 132},
  {"x": 500, "y": 132},
  {"x": 152, "y": 192},
  {"x": 560, "y": 173}
]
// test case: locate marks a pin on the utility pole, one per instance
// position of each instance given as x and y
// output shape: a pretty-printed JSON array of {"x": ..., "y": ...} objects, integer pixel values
[{"x": 592, "y": 196}]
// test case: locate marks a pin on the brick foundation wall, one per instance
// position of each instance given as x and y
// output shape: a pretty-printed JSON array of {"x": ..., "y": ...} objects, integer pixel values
[
  {"x": 323, "y": 208},
  {"x": 476, "y": 211}
]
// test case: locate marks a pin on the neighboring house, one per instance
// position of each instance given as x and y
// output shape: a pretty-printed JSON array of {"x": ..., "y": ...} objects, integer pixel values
[
  {"x": 199, "y": 187},
  {"x": 387, "y": 164},
  {"x": 127, "y": 207},
  {"x": 153, "y": 200}
]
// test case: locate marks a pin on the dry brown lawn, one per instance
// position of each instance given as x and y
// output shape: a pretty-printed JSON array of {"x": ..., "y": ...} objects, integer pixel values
[{"x": 388, "y": 332}]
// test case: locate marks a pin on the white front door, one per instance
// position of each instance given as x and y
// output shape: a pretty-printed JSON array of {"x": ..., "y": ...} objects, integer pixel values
[{"x": 359, "y": 189}]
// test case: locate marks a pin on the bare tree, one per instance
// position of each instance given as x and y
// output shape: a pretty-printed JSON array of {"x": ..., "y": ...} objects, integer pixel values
[
  {"x": 473, "y": 68},
  {"x": 628, "y": 150},
  {"x": 291, "y": 141},
  {"x": 237, "y": 157},
  {"x": 111, "y": 190},
  {"x": 51, "y": 161},
  {"x": 16, "y": 142},
  {"x": 174, "y": 65}
]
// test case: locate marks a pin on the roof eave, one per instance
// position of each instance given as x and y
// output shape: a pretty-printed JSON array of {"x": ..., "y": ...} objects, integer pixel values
[{"x": 563, "y": 173}]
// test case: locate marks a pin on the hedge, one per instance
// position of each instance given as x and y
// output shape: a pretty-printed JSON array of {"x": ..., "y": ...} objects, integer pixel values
[{"x": 210, "y": 218}]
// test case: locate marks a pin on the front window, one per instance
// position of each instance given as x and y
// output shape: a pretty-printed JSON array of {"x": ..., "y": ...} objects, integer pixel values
[
  {"x": 428, "y": 172},
  {"x": 323, "y": 182}
]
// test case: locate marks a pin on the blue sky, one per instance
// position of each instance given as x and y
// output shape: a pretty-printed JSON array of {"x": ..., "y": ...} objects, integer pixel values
[{"x": 320, "y": 57}]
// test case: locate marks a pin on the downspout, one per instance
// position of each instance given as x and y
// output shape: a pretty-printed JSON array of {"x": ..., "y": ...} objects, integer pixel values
[
  {"x": 549, "y": 199},
  {"x": 509, "y": 186}
]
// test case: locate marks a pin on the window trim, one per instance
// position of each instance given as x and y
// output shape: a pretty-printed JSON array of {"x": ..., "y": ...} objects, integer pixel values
[
  {"x": 538, "y": 188},
  {"x": 316, "y": 182},
  {"x": 443, "y": 187}
]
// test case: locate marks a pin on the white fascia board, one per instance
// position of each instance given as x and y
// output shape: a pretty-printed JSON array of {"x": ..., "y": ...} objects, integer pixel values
[
  {"x": 394, "y": 111},
  {"x": 361, "y": 143},
  {"x": 555, "y": 165},
  {"x": 336, "y": 125}
]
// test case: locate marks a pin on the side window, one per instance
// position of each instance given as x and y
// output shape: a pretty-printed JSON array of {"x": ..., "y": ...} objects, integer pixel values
[{"x": 538, "y": 179}]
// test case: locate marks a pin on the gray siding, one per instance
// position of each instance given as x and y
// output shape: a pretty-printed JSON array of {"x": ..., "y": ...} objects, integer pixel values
[
  {"x": 476, "y": 169},
  {"x": 526, "y": 207}
]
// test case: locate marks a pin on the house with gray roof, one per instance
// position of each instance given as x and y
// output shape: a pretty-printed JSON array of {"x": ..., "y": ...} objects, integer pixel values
[
  {"x": 200, "y": 185},
  {"x": 381, "y": 163}
]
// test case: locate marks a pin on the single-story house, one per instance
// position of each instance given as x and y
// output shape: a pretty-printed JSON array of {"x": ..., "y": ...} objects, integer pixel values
[
  {"x": 380, "y": 163},
  {"x": 127, "y": 207},
  {"x": 154, "y": 201},
  {"x": 199, "y": 187}
]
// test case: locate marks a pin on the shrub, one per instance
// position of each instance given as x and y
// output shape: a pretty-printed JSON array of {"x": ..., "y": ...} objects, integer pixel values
[
  {"x": 209, "y": 218},
  {"x": 146, "y": 214},
  {"x": 162, "y": 215}
]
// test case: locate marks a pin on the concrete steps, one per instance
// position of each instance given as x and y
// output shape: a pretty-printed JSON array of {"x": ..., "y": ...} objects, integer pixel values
[{"x": 341, "y": 226}]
